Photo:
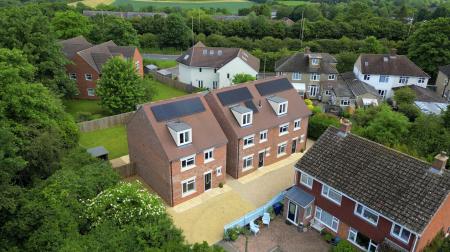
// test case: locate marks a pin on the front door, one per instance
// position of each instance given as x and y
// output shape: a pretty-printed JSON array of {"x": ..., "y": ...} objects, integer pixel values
[
  {"x": 294, "y": 146},
  {"x": 292, "y": 212},
  {"x": 261, "y": 159},
  {"x": 313, "y": 90},
  {"x": 207, "y": 181}
]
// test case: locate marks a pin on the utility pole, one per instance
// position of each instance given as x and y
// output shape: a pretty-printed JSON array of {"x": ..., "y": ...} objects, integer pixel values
[
  {"x": 303, "y": 28},
  {"x": 410, "y": 24}
]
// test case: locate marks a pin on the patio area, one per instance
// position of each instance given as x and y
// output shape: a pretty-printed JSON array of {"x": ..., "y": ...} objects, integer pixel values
[{"x": 278, "y": 237}]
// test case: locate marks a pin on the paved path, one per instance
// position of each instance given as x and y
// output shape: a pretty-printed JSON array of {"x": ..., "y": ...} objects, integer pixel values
[{"x": 159, "y": 56}]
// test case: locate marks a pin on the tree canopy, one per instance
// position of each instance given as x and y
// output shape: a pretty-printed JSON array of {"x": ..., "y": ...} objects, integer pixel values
[{"x": 69, "y": 24}]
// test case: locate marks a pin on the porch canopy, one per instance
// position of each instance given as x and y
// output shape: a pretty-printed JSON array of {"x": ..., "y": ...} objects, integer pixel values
[{"x": 299, "y": 196}]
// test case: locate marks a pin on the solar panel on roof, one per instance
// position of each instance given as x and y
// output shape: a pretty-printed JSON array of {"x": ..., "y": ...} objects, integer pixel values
[
  {"x": 273, "y": 86},
  {"x": 234, "y": 96},
  {"x": 249, "y": 104},
  {"x": 177, "y": 109}
]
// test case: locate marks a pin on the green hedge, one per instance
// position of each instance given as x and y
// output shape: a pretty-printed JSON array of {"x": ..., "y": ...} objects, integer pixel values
[{"x": 319, "y": 122}]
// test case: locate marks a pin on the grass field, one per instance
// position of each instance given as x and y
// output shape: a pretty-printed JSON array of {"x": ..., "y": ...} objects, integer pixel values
[
  {"x": 114, "y": 139},
  {"x": 232, "y": 5}
]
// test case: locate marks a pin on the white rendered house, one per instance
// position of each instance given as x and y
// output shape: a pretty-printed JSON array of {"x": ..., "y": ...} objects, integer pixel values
[
  {"x": 387, "y": 71},
  {"x": 215, "y": 67}
]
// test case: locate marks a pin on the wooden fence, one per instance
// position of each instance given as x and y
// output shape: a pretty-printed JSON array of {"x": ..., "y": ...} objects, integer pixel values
[
  {"x": 105, "y": 122},
  {"x": 173, "y": 83}
]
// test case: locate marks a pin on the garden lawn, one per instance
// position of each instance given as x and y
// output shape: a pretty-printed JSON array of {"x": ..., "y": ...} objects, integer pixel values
[
  {"x": 74, "y": 107},
  {"x": 114, "y": 139},
  {"x": 163, "y": 91}
]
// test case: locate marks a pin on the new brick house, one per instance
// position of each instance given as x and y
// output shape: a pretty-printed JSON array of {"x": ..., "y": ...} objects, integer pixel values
[
  {"x": 264, "y": 121},
  {"x": 369, "y": 194},
  {"x": 177, "y": 147},
  {"x": 387, "y": 71},
  {"x": 312, "y": 74},
  {"x": 215, "y": 67},
  {"x": 87, "y": 60}
]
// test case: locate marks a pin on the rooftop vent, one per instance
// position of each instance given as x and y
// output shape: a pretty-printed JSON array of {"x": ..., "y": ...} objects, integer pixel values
[{"x": 219, "y": 52}]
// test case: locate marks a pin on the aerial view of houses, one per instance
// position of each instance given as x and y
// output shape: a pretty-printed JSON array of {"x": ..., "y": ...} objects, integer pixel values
[{"x": 225, "y": 126}]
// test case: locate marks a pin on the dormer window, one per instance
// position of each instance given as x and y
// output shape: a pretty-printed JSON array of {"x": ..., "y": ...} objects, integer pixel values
[
  {"x": 279, "y": 104},
  {"x": 243, "y": 115},
  {"x": 314, "y": 61},
  {"x": 181, "y": 133}
]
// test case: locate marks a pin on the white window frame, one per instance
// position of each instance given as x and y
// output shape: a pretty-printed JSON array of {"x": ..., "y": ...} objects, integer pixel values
[
  {"x": 364, "y": 209},
  {"x": 353, "y": 232},
  {"x": 314, "y": 77},
  {"x": 385, "y": 77},
  {"x": 421, "y": 80},
  {"x": 247, "y": 121},
  {"x": 403, "y": 80},
  {"x": 283, "y": 126},
  {"x": 73, "y": 76},
  {"x": 280, "y": 154},
  {"x": 344, "y": 102},
  {"x": 314, "y": 61},
  {"x": 261, "y": 134},
  {"x": 296, "y": 76},
  {"x": 189, "y": 134},
  {"x": 210, "y": 154},
  {"x": 88, "y": 76},
  {"x": 302, "y": 138},
  {"x": 366, "y": 77},
  {"x": 382, "y": 92},
  {"x": 245, "y": 141},
  {"x": 90, "y": 91},
  {"x": 219, "y": 171},
  {"x": 326, "y": 191},
  {"x": 318, "y": 216},
  {"x": 244, "y": 167},
  {"x": 308, "y": 180},
  {"x": 297, "y": 124},
  {"x": 282, "y": 108},
  {"x": 327, "y": 92},
  {"x": 187, "y": 167},
  {"x": 305, "y": 216},
  {"x": 399, "y": 236},
  {"x": 184, "y": 194},
  {"x": 332, "y": 77}
]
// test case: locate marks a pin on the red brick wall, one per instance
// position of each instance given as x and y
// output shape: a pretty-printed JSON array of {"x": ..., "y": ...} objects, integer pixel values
[
  {"x": 198, "y": 171},
  {"x": 345, "y": 214},
  {"x": 273, "y": 139},
  {"x": 440, "y": 221},
  {"x": 80, "y": 67}
]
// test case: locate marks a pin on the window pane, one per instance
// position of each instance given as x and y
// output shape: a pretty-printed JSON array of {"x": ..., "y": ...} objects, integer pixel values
[
  {"x": 396, "y": 229},
  {"x": 405, "y": 234}
]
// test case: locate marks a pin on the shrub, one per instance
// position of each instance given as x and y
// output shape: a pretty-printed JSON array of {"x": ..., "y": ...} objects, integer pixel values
[
  {"x": 233, "y": 233},
  {"x": 319, "y": 122},
  {"x": 221, "y": 185},
  {"x": 344, "y": 246},
  {"x": 404, "y": 95},
  {"x": 409, "y": 110}
]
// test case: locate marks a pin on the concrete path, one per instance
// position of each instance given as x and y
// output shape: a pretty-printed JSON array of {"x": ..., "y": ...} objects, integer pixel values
[{"x": 160, "y": 56}]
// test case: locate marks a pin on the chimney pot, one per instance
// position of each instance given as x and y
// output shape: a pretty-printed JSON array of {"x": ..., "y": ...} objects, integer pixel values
[
  {"x": 307, "y": 49},
  {"x": 346, "y": 125},
  {"x": 440, "y": 161}
]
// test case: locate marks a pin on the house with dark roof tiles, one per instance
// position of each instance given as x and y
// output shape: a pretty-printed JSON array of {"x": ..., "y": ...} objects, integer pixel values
[
  {"x": 87, "y": 61},
  {"x": 443, "y": 82},
  {"x": 369, "y": 194},
  {"x": 265, "y": 121},
  {"x": 177, "y": 147}
]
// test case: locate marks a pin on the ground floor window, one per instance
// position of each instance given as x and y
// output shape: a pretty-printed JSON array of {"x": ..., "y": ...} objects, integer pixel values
[
  {"x": 361, "y": 241},
  {"x": 382, "y": 93},
  {"x": 248, "y": 162},
  {"x": 282, "y": 149},
  {"x": 188, "y": 186},
  {"x": 308, "y": 211},
  {"x": 91, "y": 92},
  {"x": 327, "y": 219},
  {"x": 345, "y": 102}
]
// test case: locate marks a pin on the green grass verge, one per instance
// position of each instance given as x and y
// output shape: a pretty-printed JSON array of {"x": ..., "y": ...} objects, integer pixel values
[
  {"x": 114, "y": 139},
  {"x": 233, "y": 7},
  {"x": 161, "y": 63}
]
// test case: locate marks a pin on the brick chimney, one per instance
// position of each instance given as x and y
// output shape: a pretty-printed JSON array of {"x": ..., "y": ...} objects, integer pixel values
[
  {"x": 393, "y": 53},
  {"x": 307, "y": 49},
  {"x": 346, "y": 126},
  {"x": 440, "y": 161}
]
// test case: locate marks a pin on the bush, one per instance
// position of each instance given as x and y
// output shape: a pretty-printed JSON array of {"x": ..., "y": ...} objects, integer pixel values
[
  {"x": 326, "y": 235},
  {"x": 319, "y": 122},
  {"x": 233, "y": 233},
  {"x": 404, "y": 95},
  {"x": 344, "y": 246},
  {"x": 221, "y": 185},
  {"x": 409, "y": 110}
]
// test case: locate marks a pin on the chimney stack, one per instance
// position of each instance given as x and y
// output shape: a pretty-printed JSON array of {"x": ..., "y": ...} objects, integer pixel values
[
  {"x": 440, "y": 161},
  {"x": 346, "y": 126},
  {"x": 307, "y": 49},
  {"x": 393, "y": 53}
]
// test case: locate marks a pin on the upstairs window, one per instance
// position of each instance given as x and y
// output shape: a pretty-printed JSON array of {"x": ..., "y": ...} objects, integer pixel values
[
  {"x": 184, "y": 137},
  {"x": 400, "y": 233},
  {"x": 306, "y": 180},
  {"x": 88, "y": 77},
  {"x": 382, "y": 93},
  {"x": 345, "y": 102},
  {"x": 331, "y": 77},
  {"x": 187, "y": 163},
  {"x": 403, "y": 80},
  {"x": 282, "y": 108},
  {"x": 421, "y": 80},
  {"x": 284, "y": 129},
  {"x": 249, "y": 141},
  {"x": 367, "y": 214},
  {"x": 384, "y": 79},
  {"x": 315, "y": 77},
  {"x": 296, "y": 76},
  {"x": 246, "y": 119},
  {"x": 366, "y": 76},
  {"x": 200, "y": 69},
  {"x": 314, "y": 61},
  {"x": 263, "y": 136},
  {"x": 208, "y": 155},
  {"x": 73, "y": 76},
  {"x": 205, "y": 52},
  {"x": 331, "y": 194},
  {"x": 297, "y": 124}
]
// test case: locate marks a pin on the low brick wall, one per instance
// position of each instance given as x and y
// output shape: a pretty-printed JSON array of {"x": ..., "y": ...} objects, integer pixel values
[
  {"x": 173, "y": 83},
  {"x": 105, "y": 122},
  {"x": 126, "y": 170}
]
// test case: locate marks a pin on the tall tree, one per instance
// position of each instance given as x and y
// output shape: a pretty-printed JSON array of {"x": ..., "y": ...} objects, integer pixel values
[
  {"x": 121, "y": 89},
  {"x": 175, "y": 33},
  {"x": 69, "y": 24},
  {"x": 113, "y": 28}
]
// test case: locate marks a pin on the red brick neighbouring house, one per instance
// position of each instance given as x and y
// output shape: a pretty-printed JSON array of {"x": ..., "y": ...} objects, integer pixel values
[
  {"x": 177, "y": 147},
  {"x": 87, "y": 60},
  {"x": 368, "y": 194},
  {"x": 265, "y": 121}
]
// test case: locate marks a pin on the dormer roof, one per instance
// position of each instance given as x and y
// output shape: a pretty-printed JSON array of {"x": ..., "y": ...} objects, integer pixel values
[
  {"x": 178, "y": 126},
  {"x": 299, "y": 62},
  {"x": 277, "y": 99},
  {"x": 241, "y": 109}
]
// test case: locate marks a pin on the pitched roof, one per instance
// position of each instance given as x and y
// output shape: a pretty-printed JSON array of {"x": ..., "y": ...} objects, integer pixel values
[
  {"x": 206, "y": 132},
  {"x": 71, "y": 46},
  {"x": 249, "y": 95},
  {"x": 215, "y": 57},
  {"x": 95, "y": 55},
  {"x": 299, "y": 62},
  {"x": 356, "y": 86},
  {"x": 389, "y": 64},
  {"x": 425, "y": 94},
  {"x": 445, "y": 70},
  {"x": 394, "y": 184}
]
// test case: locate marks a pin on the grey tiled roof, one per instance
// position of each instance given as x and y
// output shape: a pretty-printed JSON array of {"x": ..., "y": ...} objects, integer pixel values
[
  {"x": 393, "y": 65},
  {"x": 299, "y": 63},
  {"x": 445, "y": 70},
  {"x": 394, "y": 184},
  {"x": 356, "y": 86}
]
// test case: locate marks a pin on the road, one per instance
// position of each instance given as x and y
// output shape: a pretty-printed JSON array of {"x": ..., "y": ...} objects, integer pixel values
[{"x": 160, "y": 56}]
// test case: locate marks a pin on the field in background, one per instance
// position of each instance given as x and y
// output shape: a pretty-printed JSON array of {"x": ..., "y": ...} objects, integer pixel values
[
  {"x": 296, "y": 3},
  {"x": 232, "y": 5}
]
